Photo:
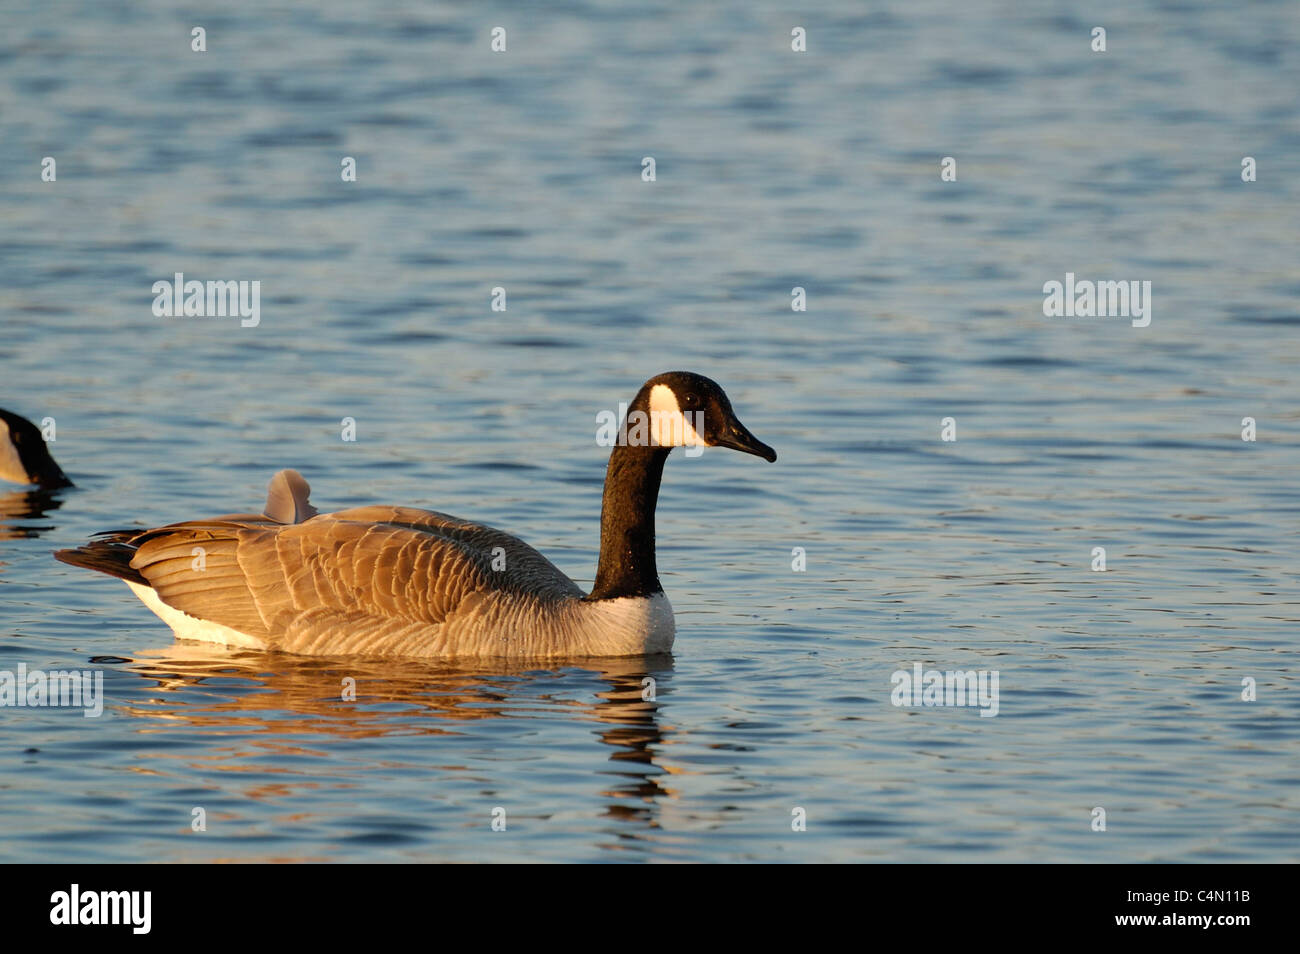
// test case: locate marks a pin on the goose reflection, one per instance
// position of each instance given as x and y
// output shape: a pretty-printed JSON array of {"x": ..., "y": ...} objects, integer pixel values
[
  {"x": 19, "y": 506},
  {"x": 280, "y": 703}
]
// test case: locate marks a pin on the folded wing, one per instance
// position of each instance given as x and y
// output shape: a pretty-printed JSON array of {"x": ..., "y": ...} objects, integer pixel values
[{"x": 395, "y": 568}]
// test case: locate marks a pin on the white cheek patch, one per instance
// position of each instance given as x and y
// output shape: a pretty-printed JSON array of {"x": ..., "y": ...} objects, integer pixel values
[
  {"x": 11, "y": 464},
  {"x": 669, "y": 427}
]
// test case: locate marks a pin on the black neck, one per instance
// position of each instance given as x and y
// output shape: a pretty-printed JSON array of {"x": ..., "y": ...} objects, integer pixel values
[
  {"x": 627, "y": 523},
  {"x": 41, "y": 468}
]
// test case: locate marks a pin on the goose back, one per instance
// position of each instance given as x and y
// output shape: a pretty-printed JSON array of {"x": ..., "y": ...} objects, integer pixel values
[{"x": 371, "y": 579}]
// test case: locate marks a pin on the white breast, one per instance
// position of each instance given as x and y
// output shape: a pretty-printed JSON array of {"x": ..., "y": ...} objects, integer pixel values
[{"x": 629, "y": 625}]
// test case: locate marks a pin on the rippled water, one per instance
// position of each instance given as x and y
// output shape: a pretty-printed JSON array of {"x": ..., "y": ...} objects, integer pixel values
[{"x": 1119, "y": 689}]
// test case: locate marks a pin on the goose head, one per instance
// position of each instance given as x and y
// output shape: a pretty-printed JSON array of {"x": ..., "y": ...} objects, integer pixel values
[
  {"x": 24, "y": 458},
  {"x": 684, "y": 409}
]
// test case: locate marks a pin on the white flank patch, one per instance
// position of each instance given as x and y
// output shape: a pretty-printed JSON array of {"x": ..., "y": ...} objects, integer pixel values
[
  {"x": 668, "y": 425},
  {"x": 185, "y": 626}
]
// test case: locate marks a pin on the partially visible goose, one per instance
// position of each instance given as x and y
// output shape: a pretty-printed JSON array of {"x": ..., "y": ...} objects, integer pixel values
[
  {"x": 24, "y": 458},
  {"x": 404, "y": 582}
]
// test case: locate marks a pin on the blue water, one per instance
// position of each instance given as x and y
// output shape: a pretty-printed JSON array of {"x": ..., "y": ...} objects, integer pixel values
[{"x": 1119, "y": 690}]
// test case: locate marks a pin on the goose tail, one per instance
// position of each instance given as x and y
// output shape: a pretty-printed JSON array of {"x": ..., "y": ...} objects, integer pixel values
[{"x": 110, "y": 553}]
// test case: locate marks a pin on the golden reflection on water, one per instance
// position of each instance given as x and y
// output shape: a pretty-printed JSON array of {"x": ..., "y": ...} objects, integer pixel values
[
  {"x": 280, "y": 705},
  {"x": 17, "y": 506}
]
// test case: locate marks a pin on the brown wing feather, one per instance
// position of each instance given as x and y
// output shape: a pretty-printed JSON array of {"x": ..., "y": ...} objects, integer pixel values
[
  {"x": 384, "y": 564},
  {"x": 195, "y": 568}
]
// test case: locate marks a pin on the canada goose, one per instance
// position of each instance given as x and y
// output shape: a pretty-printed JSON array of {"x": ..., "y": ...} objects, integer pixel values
[
  {"x": 404, "y": 582},
  {"x": 24, "y": 458}
]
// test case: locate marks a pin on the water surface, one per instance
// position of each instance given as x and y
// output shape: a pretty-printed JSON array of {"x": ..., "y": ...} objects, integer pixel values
[{"x": 1119, "y": 689}]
